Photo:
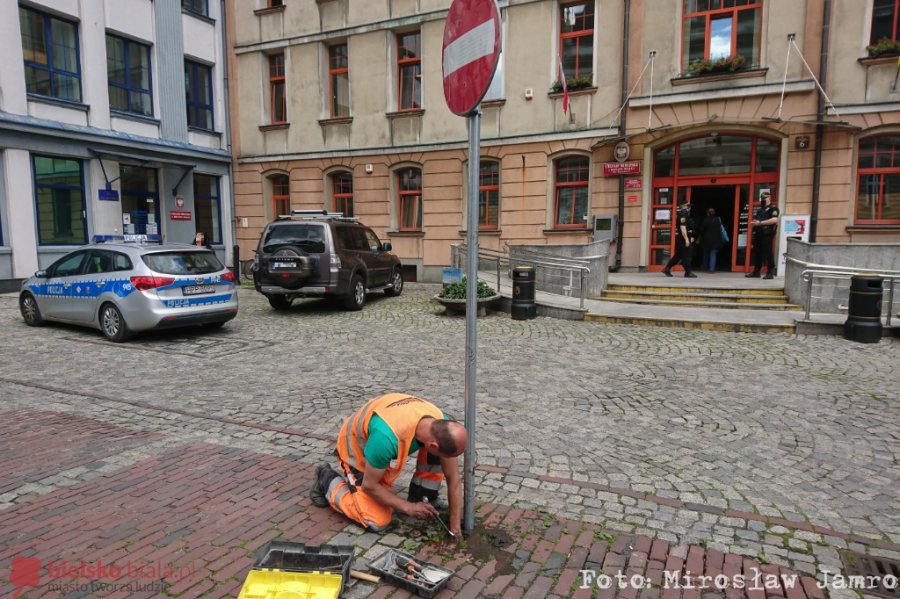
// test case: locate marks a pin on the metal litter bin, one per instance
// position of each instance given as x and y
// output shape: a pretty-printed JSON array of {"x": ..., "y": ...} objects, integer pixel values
[
  {"x": 523, "y": 307},
  {"x": 864, "y": 312}
]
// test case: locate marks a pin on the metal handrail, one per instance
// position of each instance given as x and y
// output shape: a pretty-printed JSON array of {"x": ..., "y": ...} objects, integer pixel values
[
  {"x": 547, "y": 261},
  {"x": 843, "y": 269},
  {"x": 810, "y": 274}
]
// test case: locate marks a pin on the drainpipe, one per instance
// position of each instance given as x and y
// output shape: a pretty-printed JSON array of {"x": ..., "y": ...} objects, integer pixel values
[
  {"x": 620, "y": 226},
  {"x": 820, "y": 128},
  {"x": 226, "y": 58}
]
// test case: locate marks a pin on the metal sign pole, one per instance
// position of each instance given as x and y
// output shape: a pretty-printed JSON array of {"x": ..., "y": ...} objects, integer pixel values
[{"x": 471, "y": 316}]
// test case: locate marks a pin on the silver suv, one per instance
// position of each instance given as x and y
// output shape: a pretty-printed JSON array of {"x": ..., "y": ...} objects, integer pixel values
[{"x": 314, "y": 253}]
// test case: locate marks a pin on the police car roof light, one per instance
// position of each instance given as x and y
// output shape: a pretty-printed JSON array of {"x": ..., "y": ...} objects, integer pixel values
[{"x": 126, "y": 238}]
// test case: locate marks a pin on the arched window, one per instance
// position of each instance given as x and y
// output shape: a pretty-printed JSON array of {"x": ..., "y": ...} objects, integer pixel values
[
  {"x": 281, "y": 195},
  {"x": 571, "y": 192},
  {"x": 409, "y": 200},
  {"x": 489, "y": 195},
  {"x": 878, "y": 181},
  {"x": 342, "y": 192}
]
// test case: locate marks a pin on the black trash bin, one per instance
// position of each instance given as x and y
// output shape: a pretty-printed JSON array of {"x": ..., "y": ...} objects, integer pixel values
[
  {"x": 523, "y": 307},
  {"x": 864, "y": 313}
]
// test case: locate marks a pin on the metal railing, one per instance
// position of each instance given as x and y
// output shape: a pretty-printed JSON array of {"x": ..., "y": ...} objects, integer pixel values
[
  {"x": 812, "y": 271},
  {"x": 503, "y": 260}
]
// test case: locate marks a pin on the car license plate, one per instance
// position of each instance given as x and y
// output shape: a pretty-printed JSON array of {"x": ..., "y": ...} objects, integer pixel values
[
  {"x": 284, "y": 265},
  {"x": 198, "y": 289}
]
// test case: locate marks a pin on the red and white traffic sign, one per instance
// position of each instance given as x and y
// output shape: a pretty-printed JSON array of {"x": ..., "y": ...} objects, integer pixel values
[{"x": 471, "y": 51}]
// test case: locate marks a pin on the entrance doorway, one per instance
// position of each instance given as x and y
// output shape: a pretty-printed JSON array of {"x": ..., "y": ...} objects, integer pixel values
[
  {"x": 721, "y": 199},
  {"x": 727, "y": 172}
]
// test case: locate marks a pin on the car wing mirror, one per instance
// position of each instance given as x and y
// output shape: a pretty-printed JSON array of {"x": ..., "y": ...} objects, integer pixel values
[
  {"x": 40, "y": 274},
  {"x": 386, "y": 247}
]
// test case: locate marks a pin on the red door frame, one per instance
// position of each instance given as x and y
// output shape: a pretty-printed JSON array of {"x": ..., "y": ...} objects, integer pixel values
[{"x": 675, "y": 183}]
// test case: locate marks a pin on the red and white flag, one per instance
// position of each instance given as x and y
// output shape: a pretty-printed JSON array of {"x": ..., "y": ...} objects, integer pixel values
[{"x": 562, "y": 76}]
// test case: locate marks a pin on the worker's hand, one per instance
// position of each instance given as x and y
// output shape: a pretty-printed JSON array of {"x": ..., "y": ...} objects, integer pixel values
[{"x": 421, "y": 510}]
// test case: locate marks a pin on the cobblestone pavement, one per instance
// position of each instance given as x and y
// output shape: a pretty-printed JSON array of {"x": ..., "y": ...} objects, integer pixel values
[{"x": 619, "y": 447}]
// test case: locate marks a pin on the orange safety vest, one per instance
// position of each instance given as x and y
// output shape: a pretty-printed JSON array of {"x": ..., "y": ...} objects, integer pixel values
[{"x": 401, "y": 412}]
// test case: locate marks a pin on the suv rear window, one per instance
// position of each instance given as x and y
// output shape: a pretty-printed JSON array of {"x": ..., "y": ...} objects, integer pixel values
[
  {"x": 309, "y": 237},
  {"x": 183, "y": 263}
]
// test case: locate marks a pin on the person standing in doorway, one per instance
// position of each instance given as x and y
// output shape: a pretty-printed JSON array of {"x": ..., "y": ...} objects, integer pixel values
[
  {"x": 684, "y": 240},
  {"x": 711, "y": 239},
  {"x": 764, "y": 223},
  {"x": 201, "y": 240}
]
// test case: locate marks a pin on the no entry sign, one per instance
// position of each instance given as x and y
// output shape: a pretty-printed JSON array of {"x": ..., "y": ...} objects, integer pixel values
[{"x": 471, "y": 50}]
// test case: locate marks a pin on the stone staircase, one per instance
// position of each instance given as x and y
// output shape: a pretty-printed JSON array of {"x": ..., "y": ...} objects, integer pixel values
[{"x": 699, "y": 297}]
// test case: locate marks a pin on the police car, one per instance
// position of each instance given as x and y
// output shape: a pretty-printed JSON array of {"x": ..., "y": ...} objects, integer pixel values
[{"x": 126, "y": 284}]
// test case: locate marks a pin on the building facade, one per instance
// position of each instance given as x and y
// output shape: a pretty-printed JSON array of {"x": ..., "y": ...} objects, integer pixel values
[
  {"x": 339, "y": 105},
  {"x": 113, "y": 120}
]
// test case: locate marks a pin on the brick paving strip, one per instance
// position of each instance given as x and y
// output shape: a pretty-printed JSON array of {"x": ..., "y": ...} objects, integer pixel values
[
  {"x": 769, "y": 521},
  {"x": 203, "y": 509}
]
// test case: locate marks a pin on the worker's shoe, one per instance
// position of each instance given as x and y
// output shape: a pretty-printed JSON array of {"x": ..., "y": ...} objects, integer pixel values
[
  {"x": 667, "y": 272},
  {"x": 752, "y": 275},
  {"x": 690, "y": 275},
  {"x": 769, "y": 276},
  {"x": 323, "y": 477}
]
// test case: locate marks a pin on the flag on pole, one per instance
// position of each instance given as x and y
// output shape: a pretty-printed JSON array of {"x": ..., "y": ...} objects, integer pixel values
[{"x": 565, "y": 86}]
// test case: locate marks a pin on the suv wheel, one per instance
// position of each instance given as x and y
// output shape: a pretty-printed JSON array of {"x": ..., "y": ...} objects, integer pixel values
[
  {"x": 279, "y": 302},
  {"x": 396, "y": 287},
  {"x": 357, "y": 296},
  {"x": 112, "y": 323},
  {"x": 30, "y": 311}
]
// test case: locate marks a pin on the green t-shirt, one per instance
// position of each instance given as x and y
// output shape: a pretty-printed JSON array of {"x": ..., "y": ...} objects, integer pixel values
[{"x": 382, "y": 445}]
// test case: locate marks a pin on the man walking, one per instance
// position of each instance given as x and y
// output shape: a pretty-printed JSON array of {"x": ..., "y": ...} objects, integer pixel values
[
  {"x": 764, "y": 222},
  {"x": 684, "y": 239},
  {"x": 372, "y": 449}
]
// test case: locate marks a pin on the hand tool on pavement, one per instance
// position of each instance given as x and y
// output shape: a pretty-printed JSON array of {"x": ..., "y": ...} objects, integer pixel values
[
  {"x": 438, "y": 516},
  {"x": 363, "y": 576}
]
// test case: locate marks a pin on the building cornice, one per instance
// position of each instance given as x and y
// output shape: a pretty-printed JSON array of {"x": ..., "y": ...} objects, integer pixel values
[
  {"x": 28, "y": 125},
  {"x": 722, "y": 93},
  {"x": 454, "y": 145},
  {"x": 845, "y": 109}
]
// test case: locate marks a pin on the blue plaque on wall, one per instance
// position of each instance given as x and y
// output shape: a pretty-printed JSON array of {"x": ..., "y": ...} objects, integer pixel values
[{"x": 108, "y": 195}]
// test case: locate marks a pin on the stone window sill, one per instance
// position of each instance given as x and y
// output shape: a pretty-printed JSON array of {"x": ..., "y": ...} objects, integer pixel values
[
  {"x": 197, "y": 15},
  {"x": 493, "y": 103},
  {"x": 406, "y": 233},
  {"x": 274, "y": 127},
  {"x": 573, "y": 231},
  {"x": 340, "y": 120},
  {"x": 745, "y": 74},
  {"x": 131, "y": 116},
  {"x": 891, "y": 228},
  {"x": 874, "y": 60},
  {"x": 402, "y": 114},
  {"x": 489, "y": 232},
  {"x": 209, "y": 132},
  {"x": 57, "y": 102},
  {"x": 269, "y": 10}
]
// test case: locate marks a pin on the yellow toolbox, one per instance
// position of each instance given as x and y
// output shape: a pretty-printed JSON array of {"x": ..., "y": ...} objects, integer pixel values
[{"x": 284, "y": 570}]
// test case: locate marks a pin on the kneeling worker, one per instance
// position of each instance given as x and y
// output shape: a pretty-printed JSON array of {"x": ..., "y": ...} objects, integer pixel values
[{"x": 372, "y": 448}]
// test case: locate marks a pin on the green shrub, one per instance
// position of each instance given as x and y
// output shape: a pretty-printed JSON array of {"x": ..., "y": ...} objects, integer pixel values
[
  {"x": 728, "y": 64},
  {"x": 574, "y": 83},
  {"x": 458, "y": 290},
  {"x": 884, "y": 47}
]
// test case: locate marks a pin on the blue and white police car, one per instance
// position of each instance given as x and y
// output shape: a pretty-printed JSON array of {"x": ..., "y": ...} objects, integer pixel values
[{"x": 126, "y": 284}]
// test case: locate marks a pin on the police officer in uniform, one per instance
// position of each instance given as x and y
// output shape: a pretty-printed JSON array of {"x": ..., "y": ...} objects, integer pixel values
[
  {"x": 684, "y": 240},
  {"x": 764, "y": 223}
]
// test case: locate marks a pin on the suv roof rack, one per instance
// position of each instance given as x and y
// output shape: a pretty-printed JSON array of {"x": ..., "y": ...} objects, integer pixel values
[{"x": 317, "y": 215}]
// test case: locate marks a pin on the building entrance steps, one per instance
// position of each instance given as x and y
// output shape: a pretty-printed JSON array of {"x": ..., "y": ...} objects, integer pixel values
[{"x": 720, "y": 302}]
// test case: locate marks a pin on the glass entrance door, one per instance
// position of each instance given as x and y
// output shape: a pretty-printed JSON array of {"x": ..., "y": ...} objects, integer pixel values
[
  {"x": 725, "y": 172},
  {"x": 140, "y": 201}
]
